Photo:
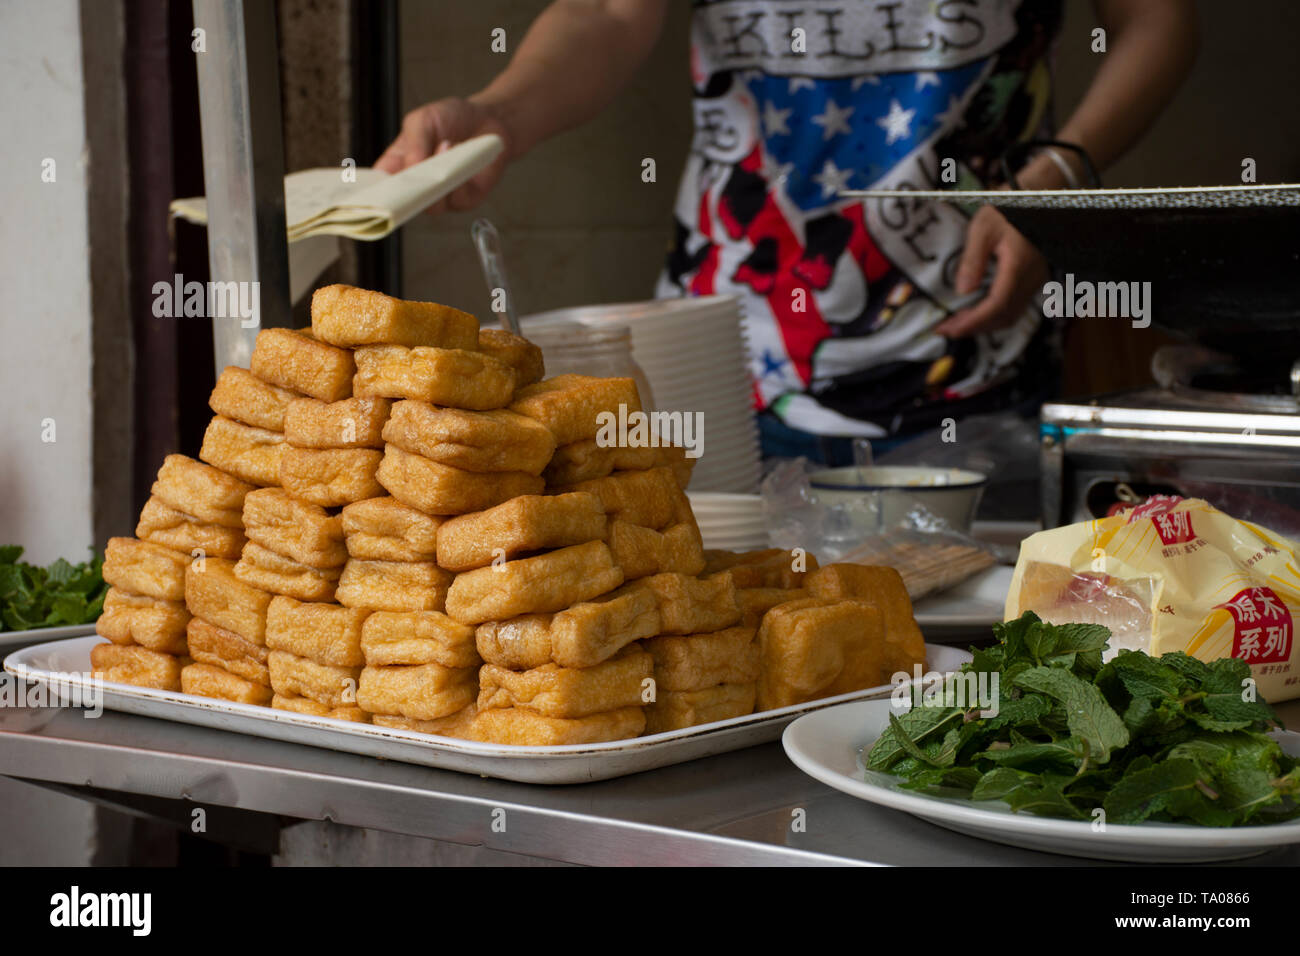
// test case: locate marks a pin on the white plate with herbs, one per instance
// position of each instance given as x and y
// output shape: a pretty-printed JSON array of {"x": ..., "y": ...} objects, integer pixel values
[{"x": 829, "y": 745}]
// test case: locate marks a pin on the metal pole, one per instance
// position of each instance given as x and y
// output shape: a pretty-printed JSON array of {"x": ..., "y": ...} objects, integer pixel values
[{"x": 243, "y": 166}]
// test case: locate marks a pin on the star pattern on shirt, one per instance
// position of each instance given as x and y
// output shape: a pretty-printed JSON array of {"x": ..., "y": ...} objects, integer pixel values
[
  {"x": 773, "y": 364},
  {"x": 834, "y": 120},
  {"x": 776, "y": 121},
  {"x": 953, "y": 112},
  {"x": 832, "y": 179},
  {"x": 776, "y": 173},
  {"x": 897, "y": 123},
  {"x": 825, "y": 135}
]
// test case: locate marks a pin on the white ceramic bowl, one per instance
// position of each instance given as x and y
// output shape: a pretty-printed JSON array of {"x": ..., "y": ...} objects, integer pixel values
[{"x": 882, "y": 495}]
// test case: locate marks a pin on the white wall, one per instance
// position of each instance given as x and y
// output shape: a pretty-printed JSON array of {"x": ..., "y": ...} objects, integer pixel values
[{"x": 45, "y": 347}]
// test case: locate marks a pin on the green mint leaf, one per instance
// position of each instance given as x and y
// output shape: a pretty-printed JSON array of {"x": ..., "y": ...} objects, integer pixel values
[
  {"x": 905, "y": 741},
  {"x": 1040, "y": 641},
  {"x": 1224, "y": 687},
  {"x": 1001, "y": 782},
  {"x": 1193, "y": 671},
  {"x": 1087, "y": 714},
  {"x": 1047, "y": 799},
  {"x": 1147, "y": 677},
  {"x": 918, "y": 724},
  {"x": 1060, "y": 755},
  {"x": 1144, "y": 792}
]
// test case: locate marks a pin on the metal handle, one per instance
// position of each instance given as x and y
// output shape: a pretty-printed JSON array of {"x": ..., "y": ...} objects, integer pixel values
[
  {"x": 243, "y": 167},
  {"x": 488, "y": 242}
]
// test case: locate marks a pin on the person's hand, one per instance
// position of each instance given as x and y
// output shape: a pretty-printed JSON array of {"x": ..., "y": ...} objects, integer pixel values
[
  {"x": 1021, "y": 272},
  {"x": 433, "y": 128}
]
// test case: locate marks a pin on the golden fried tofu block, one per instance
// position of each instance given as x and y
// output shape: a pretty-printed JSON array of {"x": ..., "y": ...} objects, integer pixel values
[
  {"x": 520, "y": 354},
  {"x": 453, "y": 377},
  {"x": 295, "y": 528},
  {"x": 755, "y": 602},
  {"x": 324, "y": 633},
  {"x": 209, "y": 644},
  {"x": 679, "y": 709},
  {"x": 295, "y": 360},
  {"x": 555, "y": 691},
  {"x": 546, "y": 582},
  {"x": 579, "y": 636},
  {"x": 526, "y": 523},
  {"x": 201, "y": 491},
  {"x": 214, "y": 593},
  {"x": 812, "y": 648},
  {"x": 347, "y": 423},
  {"x": 130, "y": 664},
  {"x": 252, "y": 454},
  {"x": 137, "y": 619},
  {"x": 293, "y": 676},
  {"x": 421, "y": 691},
  {"x": 459, "y": 724},
  {"x": 208, "y": 680},
  {"x": 696, "y": 661},
  {"x": 689, "y": 605},
  {"x": 571, "y": 405},
  {"x": 496, "y": 440},
  {"x": 394, "y": 585},
  {"x": 330, "y": 477},
  {"x": 394, "y": 638},
  {"x": 144, "y": 568},
  {"x": 163, "y": 525},
  {"x": 347, "y": 316},
  {"x": 443, "y": 490},
  {"x": 643, "y": 551},
  {"x": 384, "y": 529},
  {"x": 650, "y": 499},
  {"x": 588, "y": 459},
  {"x": 883, "y": 587},
  {"x": 769, "y": 568},
  {"x": 262, "y": 568},
  {"x": 521, "y": 727},
  {"x": 241, "y": 395},
  {"x": 305, "y": 705}
]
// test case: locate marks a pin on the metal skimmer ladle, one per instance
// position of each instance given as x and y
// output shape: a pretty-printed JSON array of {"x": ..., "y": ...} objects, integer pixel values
[{"x": 488, "y": 242}]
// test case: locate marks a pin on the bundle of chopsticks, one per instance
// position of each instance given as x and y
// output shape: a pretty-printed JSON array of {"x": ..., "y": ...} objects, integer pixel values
[{"x": 929, "y": 563}]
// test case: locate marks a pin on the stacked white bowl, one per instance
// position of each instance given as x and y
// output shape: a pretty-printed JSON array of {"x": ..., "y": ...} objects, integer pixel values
[
  {"x": 693, "y": 353},
  {"x": 729, "y": 522}
]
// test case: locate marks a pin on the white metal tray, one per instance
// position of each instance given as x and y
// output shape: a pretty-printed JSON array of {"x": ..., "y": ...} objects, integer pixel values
[{"x": 66, "y": 664}]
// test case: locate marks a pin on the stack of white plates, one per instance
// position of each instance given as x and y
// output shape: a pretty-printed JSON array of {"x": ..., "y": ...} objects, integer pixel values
[
  {"x": 693, "y": 354},
  {"x": 729, "y": 522}
]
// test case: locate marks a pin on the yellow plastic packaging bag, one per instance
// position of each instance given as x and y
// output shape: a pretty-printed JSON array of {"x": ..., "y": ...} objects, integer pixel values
[{"x": 1172, "y": 574}]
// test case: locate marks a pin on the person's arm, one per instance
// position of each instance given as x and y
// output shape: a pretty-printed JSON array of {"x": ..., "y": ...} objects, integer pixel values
[
  {"x": 1151, "y": 45},
  {"x": 574, "y": 60}
]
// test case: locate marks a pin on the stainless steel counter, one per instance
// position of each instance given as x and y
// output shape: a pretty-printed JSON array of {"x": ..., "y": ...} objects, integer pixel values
[{"x": 736, "y": 809}]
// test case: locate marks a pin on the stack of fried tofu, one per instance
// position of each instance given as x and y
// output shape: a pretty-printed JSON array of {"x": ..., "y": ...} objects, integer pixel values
[
  {"x": 820, "y": 631},
  {"x": 193, "y": 515},
  {"x": 401, "y": 521},
  {"x": 450, "y": 448},
  {"x": 535, "y": 576}
]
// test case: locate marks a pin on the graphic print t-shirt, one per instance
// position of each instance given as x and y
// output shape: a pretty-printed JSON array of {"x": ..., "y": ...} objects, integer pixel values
[{"x": 796, "y": 101}]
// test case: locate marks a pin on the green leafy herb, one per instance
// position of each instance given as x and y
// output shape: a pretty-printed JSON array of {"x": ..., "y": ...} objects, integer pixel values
[
  {"x": 1141, "y": 738},
  {"x": 62, "y": 594}
]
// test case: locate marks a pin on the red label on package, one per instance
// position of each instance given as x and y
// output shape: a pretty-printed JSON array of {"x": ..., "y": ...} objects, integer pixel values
[
  {"x": 1261, "y": 625},
  {"x": 1173, "y": 527}
]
